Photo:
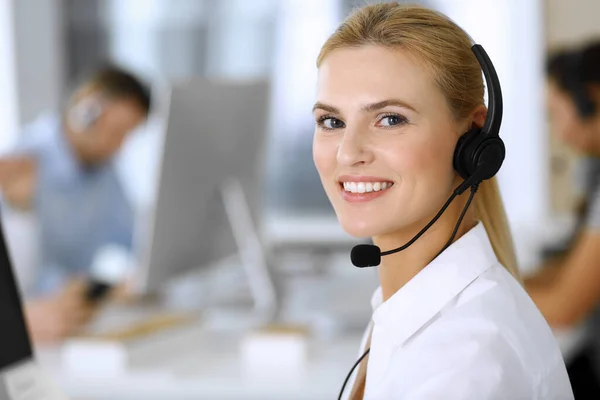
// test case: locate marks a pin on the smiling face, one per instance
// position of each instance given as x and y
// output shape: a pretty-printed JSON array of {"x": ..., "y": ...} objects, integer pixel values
[{"x": 384, "y": 140}]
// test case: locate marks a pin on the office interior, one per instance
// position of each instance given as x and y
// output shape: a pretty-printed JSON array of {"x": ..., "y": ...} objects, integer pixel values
[{"x": 284, "y": 319}]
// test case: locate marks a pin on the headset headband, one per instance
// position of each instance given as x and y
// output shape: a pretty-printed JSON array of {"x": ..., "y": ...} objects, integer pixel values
[{"x": 493, "y": 119}]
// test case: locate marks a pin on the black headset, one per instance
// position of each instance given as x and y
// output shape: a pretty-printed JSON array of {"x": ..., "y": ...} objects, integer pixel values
[
  {"x": 478, "y": 156},
  {"x": 480, "y": 152},
  {"x": 575, "y": 84}
]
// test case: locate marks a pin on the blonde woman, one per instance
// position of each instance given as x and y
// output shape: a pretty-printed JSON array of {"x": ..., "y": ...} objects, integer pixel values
[{"x": 398, "y": 86}]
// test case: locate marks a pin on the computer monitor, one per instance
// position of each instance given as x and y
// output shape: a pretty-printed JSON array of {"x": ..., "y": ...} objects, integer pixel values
[
  {"x": 20, "y": 375},
  {"x": 208, "y": 198}
]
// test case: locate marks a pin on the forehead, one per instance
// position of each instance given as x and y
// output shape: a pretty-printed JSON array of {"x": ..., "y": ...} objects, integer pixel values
[{"x": 374, "y": 73}]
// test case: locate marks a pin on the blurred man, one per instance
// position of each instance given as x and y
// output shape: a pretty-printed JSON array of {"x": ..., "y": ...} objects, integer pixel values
[{"x": 62, "y": 171}]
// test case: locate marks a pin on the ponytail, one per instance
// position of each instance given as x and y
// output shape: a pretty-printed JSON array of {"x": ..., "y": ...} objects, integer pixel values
[{"x": 490, "y": 211}]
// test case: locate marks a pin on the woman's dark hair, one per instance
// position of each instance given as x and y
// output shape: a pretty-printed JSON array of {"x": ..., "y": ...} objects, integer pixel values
[
  {"x": 574, "y": 70},
  {"x": 119, "y": 83}
]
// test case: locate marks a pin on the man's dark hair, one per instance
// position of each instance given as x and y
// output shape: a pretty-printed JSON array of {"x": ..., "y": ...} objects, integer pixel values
[{"x": 119, "y": 83}]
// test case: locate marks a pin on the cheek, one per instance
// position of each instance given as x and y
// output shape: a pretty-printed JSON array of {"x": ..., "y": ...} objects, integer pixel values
[
  {"x": 419, "y": 163},
  {"x": 325, "y": 156},
  {"x": 570, "y": 132}
]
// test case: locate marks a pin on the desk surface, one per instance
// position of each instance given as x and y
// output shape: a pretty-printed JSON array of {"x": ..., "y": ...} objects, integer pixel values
[
  {"x": 212, "y": 367},
  {"x": 213, "y": 370}
]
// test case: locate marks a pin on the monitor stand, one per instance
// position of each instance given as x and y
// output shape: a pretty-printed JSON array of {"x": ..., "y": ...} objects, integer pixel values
[
  {"x": 254, "y": 259},
  {"x": 28, "y": 381}
]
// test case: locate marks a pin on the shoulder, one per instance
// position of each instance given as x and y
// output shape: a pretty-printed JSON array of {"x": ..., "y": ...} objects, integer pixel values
[
  {"x": 38, "y": 135},
  {"x": 497, "y": 307},
  {"x": 471, "y": 361},
  {"x": 490, "y": 342}
]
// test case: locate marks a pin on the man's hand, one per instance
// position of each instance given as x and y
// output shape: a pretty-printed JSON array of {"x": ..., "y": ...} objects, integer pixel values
[
  {"x": 54, "y": 318},
  {"x": 18, "y": 177}
]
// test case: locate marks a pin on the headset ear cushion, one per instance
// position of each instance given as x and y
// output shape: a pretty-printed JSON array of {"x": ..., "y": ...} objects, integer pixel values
[{"x": 464, "y": 153}]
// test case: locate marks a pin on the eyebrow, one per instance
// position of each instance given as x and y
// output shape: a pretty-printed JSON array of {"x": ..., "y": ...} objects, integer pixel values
[{"x": 367, "y": 108}]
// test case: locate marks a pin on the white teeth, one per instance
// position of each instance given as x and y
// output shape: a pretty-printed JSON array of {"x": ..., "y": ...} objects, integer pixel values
[{"x": 366, "y": 187}]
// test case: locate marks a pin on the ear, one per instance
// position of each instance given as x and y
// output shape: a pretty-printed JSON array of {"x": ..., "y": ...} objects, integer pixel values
[{"x": 477, "y": 117}]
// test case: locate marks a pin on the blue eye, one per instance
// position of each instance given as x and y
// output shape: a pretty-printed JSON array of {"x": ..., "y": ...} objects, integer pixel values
[
  {"x": 392, "y": 120},
  {"x": 330, "y": 123}
]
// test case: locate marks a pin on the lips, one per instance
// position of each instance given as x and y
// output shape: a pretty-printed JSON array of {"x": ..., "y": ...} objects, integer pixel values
[{"x": 358, "y": 189}]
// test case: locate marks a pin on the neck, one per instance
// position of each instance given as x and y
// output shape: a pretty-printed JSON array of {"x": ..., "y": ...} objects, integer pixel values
[{"x": 397, "y": 269}]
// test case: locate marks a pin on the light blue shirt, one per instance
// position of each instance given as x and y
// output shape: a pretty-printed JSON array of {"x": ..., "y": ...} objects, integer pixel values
[{"x": 79, "y": 211}]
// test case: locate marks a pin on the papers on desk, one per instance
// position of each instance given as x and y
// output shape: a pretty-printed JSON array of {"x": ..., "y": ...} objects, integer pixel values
[
  {"x": 116, "y": 351},
  {"x": 274, "y": 352}
]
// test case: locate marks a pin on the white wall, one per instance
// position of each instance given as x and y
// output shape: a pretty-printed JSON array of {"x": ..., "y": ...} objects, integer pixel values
[
  {"x": 240, "y": 37},
  {"x": 8, "y": 89},
  {"x": 39, "y": 55},
  {"x": 571, "y": 21},
  {"x": 514, "y": 40}
]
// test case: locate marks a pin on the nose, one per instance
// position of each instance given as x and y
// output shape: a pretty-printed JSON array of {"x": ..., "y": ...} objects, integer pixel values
[{"x": 354, "y": 149}]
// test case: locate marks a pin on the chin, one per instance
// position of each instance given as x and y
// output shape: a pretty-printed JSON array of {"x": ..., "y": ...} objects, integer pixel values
[{"x": 358, "y": 228}]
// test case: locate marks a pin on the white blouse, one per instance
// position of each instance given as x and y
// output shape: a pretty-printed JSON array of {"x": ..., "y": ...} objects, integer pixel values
[{"x": 463, "y": 328}]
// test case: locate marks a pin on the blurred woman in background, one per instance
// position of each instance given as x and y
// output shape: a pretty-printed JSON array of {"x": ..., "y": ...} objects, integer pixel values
[{"x": 567, "y": 290}]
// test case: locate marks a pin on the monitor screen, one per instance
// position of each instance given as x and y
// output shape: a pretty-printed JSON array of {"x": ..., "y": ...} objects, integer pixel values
[{"x": 15, "y": 345}]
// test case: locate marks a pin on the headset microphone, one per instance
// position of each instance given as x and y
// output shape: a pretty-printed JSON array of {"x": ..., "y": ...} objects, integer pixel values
[
  {"x": 369, "y": 255},
  {"x": 365, "y": 255}
]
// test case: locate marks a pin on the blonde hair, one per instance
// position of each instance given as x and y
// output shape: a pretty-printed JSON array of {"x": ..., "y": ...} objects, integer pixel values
[{"x": 444, "y": 49}]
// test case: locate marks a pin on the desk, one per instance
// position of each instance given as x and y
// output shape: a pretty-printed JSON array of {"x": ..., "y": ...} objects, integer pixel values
[
  {"x": 211, "y": 365},
  {"x": 212, "y": 370}
]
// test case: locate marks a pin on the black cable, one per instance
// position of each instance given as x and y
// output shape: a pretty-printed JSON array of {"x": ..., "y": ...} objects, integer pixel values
[
  {"x": 385, "y": 253},
  {"x": 456, "y": 227},
  {"x": 351, "y": 371},
  {"x": 462, "y": 215}
]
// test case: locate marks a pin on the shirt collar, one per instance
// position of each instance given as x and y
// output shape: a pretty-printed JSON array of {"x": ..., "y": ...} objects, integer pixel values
[{"x": 432, "y": 288}]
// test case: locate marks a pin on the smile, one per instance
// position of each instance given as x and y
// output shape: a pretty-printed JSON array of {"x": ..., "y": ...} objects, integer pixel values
[
  {"x": 360, "y": 190},
  {"x": 366, "y": 187}
]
